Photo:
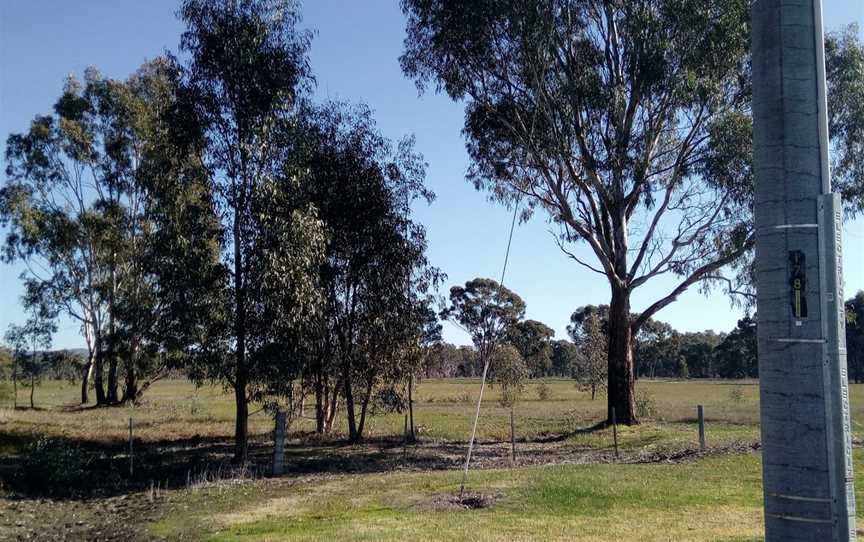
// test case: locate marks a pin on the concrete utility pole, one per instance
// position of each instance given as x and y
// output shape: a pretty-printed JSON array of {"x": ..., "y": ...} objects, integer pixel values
[{"x": 806, "y": 444}]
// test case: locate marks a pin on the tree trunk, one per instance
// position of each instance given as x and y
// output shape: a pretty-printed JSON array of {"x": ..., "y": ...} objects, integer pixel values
[
  {"x": 111, "y": 397},
  {"x": 14, "y": 384},
  {"x": 363, "y": 408},
  {"x": 85, "y": 380},
  {"x": 349, "y": 402},
  {"x": 412, "y": 436},
  {"x": 32, "y": 389},
  {"x": 241, "y": 426},
  {"x": 98, "y": 373},
  {"x": 320, "y": 402},
  {"x": 130, "y": 391},
  {"x": 332, "y": 408},
  {"x": 621, "y": 381}
]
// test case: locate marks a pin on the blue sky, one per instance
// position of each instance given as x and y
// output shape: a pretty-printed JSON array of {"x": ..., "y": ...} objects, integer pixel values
[{"x": 355, "y": 57}]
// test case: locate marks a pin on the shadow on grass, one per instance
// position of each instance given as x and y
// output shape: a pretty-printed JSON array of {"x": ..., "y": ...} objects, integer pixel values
[
  {"x": 561, "y": 437},
  {"x": 70, "y": 468},
  {"x": 62, "y": 467}
]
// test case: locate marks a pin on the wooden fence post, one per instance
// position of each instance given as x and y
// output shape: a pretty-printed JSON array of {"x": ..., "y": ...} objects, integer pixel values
[{"x": 701, "y": 416}]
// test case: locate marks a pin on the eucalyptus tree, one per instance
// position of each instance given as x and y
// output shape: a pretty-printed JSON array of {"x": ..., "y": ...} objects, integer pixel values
[
  {"x": 657, "y": 351},
  {"x": 844, "y": 66},
  {"x": 533, "y": 339},
  {"x": 427, "y": 335},
  {"x": 590, "y": 368},
  {"x": 28, "y": 342},
  {"x": 246, "y": 67},
  {"x": 487, "y": 311},
  {"x": 855, "y": 336},
  {"x": 626, "y": 122},
  {"x": 56, "y": 204},
  {"x": 80, "y": 202},
  {"x": 375, "y": 275},
  {"x": 136, "y": 113},
  {"x": 697, "y": 349},
  {"x": 735, "y": 356},
  {"x": 509, "y": 373},
  {"x": 564, "y": 357}
]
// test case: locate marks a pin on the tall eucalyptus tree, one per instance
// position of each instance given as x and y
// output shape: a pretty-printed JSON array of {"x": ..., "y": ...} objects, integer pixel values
[{"x": 626, "y": 121}]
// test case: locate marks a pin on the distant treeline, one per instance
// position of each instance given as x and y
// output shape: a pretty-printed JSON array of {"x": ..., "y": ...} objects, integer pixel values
[{"x": 661, "y": 351}]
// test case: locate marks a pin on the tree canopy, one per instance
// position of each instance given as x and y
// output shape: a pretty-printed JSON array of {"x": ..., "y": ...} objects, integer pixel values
[{"x": 627, "y": 123}]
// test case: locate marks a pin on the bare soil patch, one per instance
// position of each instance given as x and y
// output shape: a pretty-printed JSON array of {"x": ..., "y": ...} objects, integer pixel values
[{"x": 468, "y": 501}]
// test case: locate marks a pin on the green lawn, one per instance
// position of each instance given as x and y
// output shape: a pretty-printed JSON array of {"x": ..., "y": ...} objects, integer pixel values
[{"x": 715, "y": 498}]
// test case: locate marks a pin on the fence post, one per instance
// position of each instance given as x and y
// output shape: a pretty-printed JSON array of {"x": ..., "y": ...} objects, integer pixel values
[
  {"x": 701, "y": 416},
  {"x": 615, "y": 432},
  {"x": 131, "y": 456},
  {"x": 279, "y": 444}
]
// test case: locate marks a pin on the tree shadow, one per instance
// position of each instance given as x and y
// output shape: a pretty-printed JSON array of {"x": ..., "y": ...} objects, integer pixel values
[
  {"x": 75, "y": 468},
  {"x": 561, "y": 437}
]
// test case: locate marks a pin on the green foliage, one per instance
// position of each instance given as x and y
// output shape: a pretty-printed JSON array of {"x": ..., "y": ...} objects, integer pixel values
[
  {"x": 247, "y": 67},
  {"x": 565, "y": 357},
  {"x": 387, "y": 400},
  {"x": 736, "y": 395},
  {"x": 27, "y": 343},
  {"x": 533, "y": 339},
  {"x": 487, "y": 311},
  {"x": 544, "y": 392},
  {"x": 508, "y": 371},
  {"x": 657, "y": 351},
  {"x": 736, "y": 356},
  {"x": 697, "y": 349},
  {"x": 377, "y": 284},
  {"x": 556, "y": 117},
  {"x": 646, "y": 406},
  {"x": 590, "y": 371},
  {"x": 844, "y": 65},
  {"x": 855, "y": 336}
]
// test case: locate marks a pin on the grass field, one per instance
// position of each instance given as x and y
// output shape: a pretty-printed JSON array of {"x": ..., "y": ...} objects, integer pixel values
[
  {"x": 444, "y": 408},
  {"x": 567, "y": 485}
]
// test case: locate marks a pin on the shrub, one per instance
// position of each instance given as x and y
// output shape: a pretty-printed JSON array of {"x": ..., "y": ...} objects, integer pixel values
[
  {"x": 5, "y": 393},
  {"x": 736, "y": 395},
  {"x": 465, "y": 397},
  {"x": 645, "y": 405},
  {"x": 54, "y": 466},
  {"x": 544, "y": 392},
  {"x": 388, "y": 400}
]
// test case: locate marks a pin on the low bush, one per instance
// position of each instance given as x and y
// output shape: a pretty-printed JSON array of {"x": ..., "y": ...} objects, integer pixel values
[
  {"x": 736, "y": 395},
  {"x": 646, "y": 407},
  {"x": 54, "y": 466},
  {"x": 544, "y": 392}
]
